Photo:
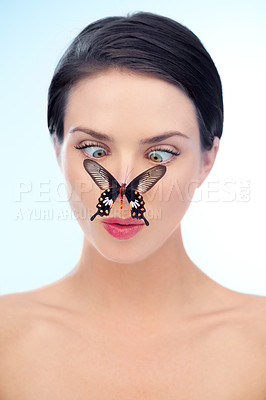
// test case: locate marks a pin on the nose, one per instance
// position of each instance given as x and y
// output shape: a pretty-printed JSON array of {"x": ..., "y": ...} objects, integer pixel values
[{"x": 124, "y": 172}]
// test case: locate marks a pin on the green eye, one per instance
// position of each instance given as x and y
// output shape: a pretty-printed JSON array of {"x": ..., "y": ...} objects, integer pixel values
[
  {"x": 89, "y": 149},
  {"x": 158, "y": 155},
  {"x": 95, "y": 153}
]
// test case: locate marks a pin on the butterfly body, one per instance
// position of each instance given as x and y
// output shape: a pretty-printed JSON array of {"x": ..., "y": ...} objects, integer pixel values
[
  {"x": 123, "y": 189},
  {"x": 112, "y": 189},
  {"x": 122, "y": 192}
]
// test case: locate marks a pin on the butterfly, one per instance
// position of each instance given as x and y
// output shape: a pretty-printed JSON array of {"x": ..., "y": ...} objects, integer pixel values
[{"x": 106, "y": 182}]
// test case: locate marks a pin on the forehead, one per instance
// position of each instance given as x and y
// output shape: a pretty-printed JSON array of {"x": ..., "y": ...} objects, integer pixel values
[{"x": 117, "y": 102}]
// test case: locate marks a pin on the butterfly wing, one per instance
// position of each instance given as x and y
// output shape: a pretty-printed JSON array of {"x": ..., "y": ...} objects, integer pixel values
[
  {"x": 105, "y": 181},
  {"x": 147, "y": 179},
  {"x": 136, "y": 203},
  {"x": 100, "y": 175},
  {"x": 141, "y": 184},
  {"x": 105, "y": 202}
]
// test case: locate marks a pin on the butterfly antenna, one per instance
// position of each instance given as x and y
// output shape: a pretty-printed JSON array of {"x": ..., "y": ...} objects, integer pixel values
[{"x": 127, "y": 174}]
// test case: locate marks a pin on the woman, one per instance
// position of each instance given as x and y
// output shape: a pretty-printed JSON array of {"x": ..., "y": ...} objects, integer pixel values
[{"x": 136, "y": 318}]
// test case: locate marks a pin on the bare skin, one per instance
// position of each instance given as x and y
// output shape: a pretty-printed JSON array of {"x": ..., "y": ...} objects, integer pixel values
[{"x": 136, "y": 318}]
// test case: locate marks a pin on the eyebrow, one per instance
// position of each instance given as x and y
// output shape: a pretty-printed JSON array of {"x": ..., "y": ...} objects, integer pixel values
[{"x": 107, "y": 138}]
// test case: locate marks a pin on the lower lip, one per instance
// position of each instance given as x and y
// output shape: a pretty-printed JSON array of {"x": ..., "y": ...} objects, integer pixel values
[{"x": 122, "y": 232}]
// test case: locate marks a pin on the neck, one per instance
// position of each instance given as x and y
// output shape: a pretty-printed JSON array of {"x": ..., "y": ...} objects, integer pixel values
[{"x": 165, "y": 285}]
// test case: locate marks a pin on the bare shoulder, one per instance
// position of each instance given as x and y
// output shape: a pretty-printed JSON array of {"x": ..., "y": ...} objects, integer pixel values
[
  {"x": 29, "y": 326},
  {"x": 248, "y": 321},
  {"x": 254, "y": 325},
  {"x": 239, "y": 329},
  {"x": 21, "y": 314},
  {"x": 248, "y": 310},
  {"x": 255, "y": 312},
  {"x": 14, "y": 312},
  {"x": 254, "y": 307}
]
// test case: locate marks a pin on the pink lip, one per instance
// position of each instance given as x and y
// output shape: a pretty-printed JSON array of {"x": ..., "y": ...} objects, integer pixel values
[
  {"x": 130, "y": 228},
  {"x": 124, "y": 221}
]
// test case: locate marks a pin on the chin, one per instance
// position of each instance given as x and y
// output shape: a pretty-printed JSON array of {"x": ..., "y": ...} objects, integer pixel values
[
  {"x": 133, "y": 250},
  {"x": 127, "y": 251},
  {"x": 124, "y": 252}
]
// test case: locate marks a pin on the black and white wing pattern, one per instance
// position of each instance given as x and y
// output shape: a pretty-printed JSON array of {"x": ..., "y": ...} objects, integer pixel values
[
  {"x": 147, "y": 179},
  {"x": 141, "y": 184},
  {"x": 105, "y": 181}
]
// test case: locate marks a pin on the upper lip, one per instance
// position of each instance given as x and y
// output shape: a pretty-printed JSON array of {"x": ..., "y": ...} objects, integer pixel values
[{"x": 124, "y": 221}]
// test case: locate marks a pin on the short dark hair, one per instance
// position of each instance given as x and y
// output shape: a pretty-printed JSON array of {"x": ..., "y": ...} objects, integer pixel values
[{"x": 148, "y": 43}]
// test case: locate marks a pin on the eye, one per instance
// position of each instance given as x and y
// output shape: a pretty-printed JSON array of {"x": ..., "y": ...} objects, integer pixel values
[
  {"x": 95, "y": 153},
  {"x": 160, "y": 155},
  {"x": 93, "y": 149}
]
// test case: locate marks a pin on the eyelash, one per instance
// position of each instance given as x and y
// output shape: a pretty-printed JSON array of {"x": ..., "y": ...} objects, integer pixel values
[
  {"x": 91, "y": 144},
  {"x": 165, "y": 149}
]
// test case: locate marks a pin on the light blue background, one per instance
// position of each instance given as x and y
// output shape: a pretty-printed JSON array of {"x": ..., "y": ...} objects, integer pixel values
[{"x": 224, "y": 232}]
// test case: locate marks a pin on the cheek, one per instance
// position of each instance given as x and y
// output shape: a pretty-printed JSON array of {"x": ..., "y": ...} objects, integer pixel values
[
  {"x": 79, "y": 186},
  {"x": 178, "y": 192}
]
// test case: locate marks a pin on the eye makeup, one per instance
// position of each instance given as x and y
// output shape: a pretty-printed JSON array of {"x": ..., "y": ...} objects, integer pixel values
[{"x": 160, "y": 148}]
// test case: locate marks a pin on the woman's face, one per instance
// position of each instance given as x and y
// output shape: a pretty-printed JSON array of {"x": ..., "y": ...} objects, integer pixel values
[{"x": 129, "y": 108}]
